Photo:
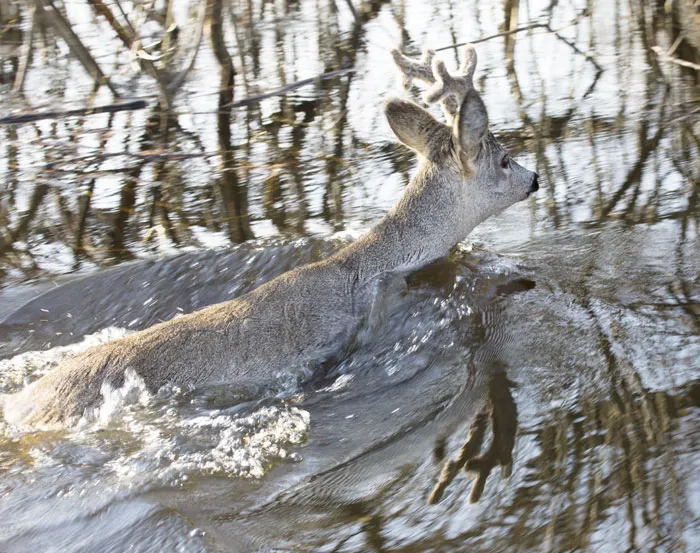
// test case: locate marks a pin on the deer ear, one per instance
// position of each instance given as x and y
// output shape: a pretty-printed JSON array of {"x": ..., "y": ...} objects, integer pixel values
[
  {"x": 472, "y": 122},
  {"x": 415, "y": 127}
]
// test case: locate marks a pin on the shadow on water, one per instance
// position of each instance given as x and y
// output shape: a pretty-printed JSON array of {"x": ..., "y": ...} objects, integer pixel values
[{"x": 542, "y": 398}]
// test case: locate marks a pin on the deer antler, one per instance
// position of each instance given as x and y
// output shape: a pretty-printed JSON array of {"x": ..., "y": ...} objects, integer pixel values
[
  {"x": 412, "y": 69},
  {"x": 450, "y": 90}
]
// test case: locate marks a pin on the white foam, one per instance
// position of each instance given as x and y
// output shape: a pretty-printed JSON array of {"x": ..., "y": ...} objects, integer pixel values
[
  {"x": 164, "y": 444},
  {"x": 340, "y": 383},
  {"x": 15, "y": 370},
  {"x": 173, "y": 448},
  {"x": 114, "y": 400}
]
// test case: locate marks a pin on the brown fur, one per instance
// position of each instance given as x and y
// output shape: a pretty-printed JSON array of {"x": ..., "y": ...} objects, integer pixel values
[{"x": 307, "y": 314}]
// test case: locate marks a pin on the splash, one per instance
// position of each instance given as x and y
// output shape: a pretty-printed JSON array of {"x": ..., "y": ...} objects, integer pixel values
[
  {"x": 16, "y": 371},
  {"x": 114, "y": 400},
  {"x": 174, "y": 447},
  {"x": 164, "y": 438}
]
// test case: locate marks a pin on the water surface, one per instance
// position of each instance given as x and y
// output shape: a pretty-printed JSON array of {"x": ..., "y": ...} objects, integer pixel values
[{"x": 572, "y": 320}]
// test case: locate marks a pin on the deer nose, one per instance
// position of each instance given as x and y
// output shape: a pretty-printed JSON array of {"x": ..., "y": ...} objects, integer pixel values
[{"x": 535, "y": 185}]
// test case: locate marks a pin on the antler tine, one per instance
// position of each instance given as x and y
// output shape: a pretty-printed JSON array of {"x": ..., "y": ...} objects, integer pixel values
[
  {"x": 469, "y": 64},
  {"x": 423, "y": 70},
  {"x": 453, "y": 86},
  {"x": 450, "y": 90},
  {"x": 412, "y": 69}
]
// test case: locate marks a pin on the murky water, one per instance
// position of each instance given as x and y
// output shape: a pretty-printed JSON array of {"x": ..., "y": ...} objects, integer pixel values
[{"x": 567, "y": 330}]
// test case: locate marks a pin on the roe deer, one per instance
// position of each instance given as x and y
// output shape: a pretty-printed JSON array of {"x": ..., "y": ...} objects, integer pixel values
[{"x": 464, "y": 176}]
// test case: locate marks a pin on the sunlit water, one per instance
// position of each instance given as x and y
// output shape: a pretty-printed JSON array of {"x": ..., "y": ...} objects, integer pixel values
[{"x": 579, "y": 308}]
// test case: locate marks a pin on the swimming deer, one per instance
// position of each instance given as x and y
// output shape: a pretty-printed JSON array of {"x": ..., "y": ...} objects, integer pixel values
[{"x": 307, "y": 314}]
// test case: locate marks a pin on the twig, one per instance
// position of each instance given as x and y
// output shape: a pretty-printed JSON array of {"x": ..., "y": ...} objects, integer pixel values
[
  {"x": 110, "y": 108},
  {"x": 676, "y": 44},
  {"x": 683, "y": 116},
  {"x": 469, "y": 450},
  {"x": 666, "y": 57},
  {"x": 121, "y": 11},
  {"x": 8, "y": 27},
  {"x": 176, "y": 80},
  {"x": 503, "y": 415},
  {"x": 241, "y": 53},
  {"x": 234, "y": 192},
  {"x": 576, "y": 49},
  {"x": 27, "y": 47},
  {"x": 505, "y": 33},
  {"x": 293, "y": 86},
  {"x": 104, "y": 11},
  {"x": 128, "y": 38},
  {"x": 593, "y": 84},
  {"x": 546, "y": 26},
  {"x": 146, "y": 155},
  {"x": 647, "y": 146},
  {"x": 37, "y": 197},
  {"x": 65, "y": 31},
  {"x": 352, "y": 9}
]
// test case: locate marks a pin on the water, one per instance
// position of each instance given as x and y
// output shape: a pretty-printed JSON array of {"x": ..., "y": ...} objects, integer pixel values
[{"x": 571, "y": 320}]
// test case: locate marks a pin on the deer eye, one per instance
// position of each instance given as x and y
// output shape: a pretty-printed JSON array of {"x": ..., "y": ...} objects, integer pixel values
[{"x": 505, "y": 161}]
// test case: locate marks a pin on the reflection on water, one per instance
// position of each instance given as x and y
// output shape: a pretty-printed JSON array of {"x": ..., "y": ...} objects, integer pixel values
[{"x": 565, "y": 341}]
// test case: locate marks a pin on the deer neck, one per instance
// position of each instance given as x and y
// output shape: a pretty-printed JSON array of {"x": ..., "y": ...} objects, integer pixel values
[{"x": 428, "y": 220}]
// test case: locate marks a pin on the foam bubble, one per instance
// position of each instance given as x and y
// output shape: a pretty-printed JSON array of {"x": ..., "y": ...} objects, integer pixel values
[
  {"x": 173, "y": 447},
  {"x": 167, "y": 441},
  {"x": 114, "y": 400},
  {"x": 16, "y": 370}
]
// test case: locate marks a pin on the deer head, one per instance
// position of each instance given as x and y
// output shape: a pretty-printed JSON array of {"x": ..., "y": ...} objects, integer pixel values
[{"x": 463, "y": 147}]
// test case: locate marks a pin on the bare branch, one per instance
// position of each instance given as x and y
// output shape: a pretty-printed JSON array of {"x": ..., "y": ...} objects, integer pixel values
[
  {"x": 47, "y": 10},
  {"x": 497, "y": 35},
  {"x": 27, "y": 47},
  {"x": 503, "y": 416},
  {"x": 293, "y": 86},
  {"x": 110, "y": 108},
  {"x": 128, "y": 38},
  {"x": 546, "y": 26},
  {"x": 176, "y": 80},
  {"x": 665, "y": 56}
]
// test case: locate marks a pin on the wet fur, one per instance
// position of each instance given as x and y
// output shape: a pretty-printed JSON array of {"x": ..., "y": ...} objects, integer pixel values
[{"x": 307, "y": 314}]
